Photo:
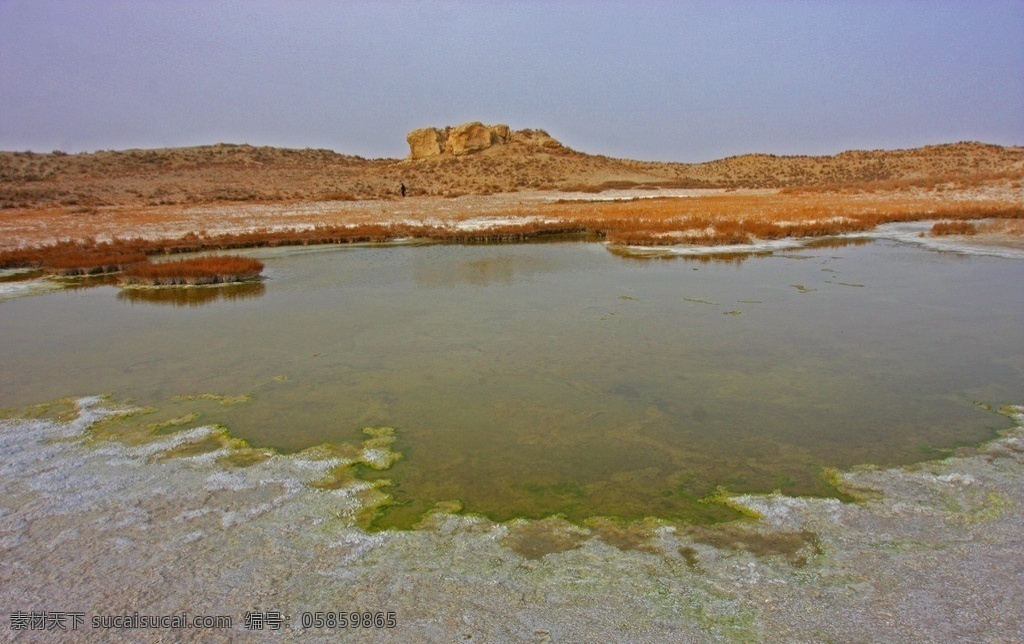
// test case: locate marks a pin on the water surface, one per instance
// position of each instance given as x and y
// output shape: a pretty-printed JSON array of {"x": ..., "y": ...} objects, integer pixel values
[{"x": 530, "y": 380}]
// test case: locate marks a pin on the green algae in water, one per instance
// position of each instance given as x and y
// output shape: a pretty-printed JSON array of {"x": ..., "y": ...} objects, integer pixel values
[
  {"x": 218, "y": 440},
  {"x": 64, "y": 410},
  {"x": 180, "y": 421},
  {"x": 219, "y": 398},
  {"x": 535, "y": 390}
]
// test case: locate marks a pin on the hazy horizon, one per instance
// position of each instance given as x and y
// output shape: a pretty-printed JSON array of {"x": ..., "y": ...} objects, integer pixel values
[{"x": 660, "y": 81}]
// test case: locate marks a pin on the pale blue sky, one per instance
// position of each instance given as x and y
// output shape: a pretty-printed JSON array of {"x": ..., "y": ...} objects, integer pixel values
[{"x": 682, "y": 81}]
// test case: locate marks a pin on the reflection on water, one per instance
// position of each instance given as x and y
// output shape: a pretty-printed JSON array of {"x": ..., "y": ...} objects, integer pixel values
[
  {"x": 539, "y": 379},
  {"x": 837, "y": 242},
  {"x": 732, "y": 254},
  {"x": 192, "y": 295},
  {"x": 645, "y": 253},
  {"x": 477, "y": 271},
  {"x": 88, "y": 281}
]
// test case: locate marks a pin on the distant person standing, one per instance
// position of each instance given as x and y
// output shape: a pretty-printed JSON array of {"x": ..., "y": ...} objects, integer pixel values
[{"x": 403, "y": 189}]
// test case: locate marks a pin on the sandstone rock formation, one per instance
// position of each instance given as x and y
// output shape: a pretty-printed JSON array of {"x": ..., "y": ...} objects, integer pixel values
[
  {"x": 471, "y": 137},
  {"x": 426, "y": 142},
  {"x": 538, "y": 138},
  {"x": 502, "y": 132}
]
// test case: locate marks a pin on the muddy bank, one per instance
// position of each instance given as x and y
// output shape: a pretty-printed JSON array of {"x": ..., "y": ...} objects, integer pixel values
[{"x": 191, "y": 521}]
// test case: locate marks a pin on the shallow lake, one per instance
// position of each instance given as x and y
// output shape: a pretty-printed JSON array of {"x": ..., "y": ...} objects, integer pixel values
[{"x": 536, "y": 379}]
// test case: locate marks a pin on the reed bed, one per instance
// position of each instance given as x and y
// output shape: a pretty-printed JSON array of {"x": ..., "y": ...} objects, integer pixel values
[
  {"x": 194, "y": 270},
  {"x": 122, "y": 253},
  {"x": 92, "y": 262},
  {"x": 738, "y": 219},
  {"x": 74, "y": 258},
  {"x": 709, "y": 220},
  {"x": 953, "y": 228}
]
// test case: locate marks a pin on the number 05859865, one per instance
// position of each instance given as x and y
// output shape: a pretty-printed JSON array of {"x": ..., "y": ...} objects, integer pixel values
[{"x": 347, "y": 619}]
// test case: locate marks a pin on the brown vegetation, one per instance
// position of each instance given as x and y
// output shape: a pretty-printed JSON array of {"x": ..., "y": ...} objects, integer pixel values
[
  {"x": 195, "y": 270},
  {"x": 74, "y": 258},
  {"x": 64, "y": 257},
  {"x": 737, "y": 219},
  {"x": 953, "y": 228},
  {"x": 713, "y": 219}
]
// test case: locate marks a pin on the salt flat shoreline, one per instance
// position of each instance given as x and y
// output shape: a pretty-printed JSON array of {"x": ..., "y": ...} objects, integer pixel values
[
  {"x": 31, "y": 228},
  {"x": 930, "y": 552}
]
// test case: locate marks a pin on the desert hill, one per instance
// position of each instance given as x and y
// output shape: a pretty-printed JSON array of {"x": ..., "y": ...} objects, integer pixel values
[{"x": 496, "y": 160}]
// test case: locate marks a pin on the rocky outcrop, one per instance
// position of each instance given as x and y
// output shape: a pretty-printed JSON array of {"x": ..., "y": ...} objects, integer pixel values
[
  {"x": 471, "y": 137},
  {"x": 537, "y": 138},
  {"x": 502, "y": 132},
  {"x": 426, "y": 142}
]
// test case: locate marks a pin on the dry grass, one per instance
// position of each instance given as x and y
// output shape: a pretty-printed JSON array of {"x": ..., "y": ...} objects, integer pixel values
[
  {"x": 87, "y": 256},
  {"x": 709, "y": 219},
  {"x": 74, "y": 258},
  {"x": 130, "y": 255},
  {"x": 953, "y": 228},
  {"x": 197, "y": 270},
  {"x": 737, "y": 219},
  {"x": 1003, "y": 228}
]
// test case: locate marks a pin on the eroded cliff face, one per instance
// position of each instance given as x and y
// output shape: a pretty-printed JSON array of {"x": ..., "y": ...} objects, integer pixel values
[
  {"x": 469, "y": 138},
  {"x": 426, "y": 142}
]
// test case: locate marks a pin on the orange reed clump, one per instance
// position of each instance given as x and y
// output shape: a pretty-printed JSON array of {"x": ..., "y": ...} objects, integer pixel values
[
  {"x": 196, "y": 270},
  {"x": 953, "y": 228}
]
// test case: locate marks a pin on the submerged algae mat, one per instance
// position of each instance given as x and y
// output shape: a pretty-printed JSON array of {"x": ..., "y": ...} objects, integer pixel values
[
  {"x": 101, "y": 520},
  {"x": 560, "y": 379}
]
